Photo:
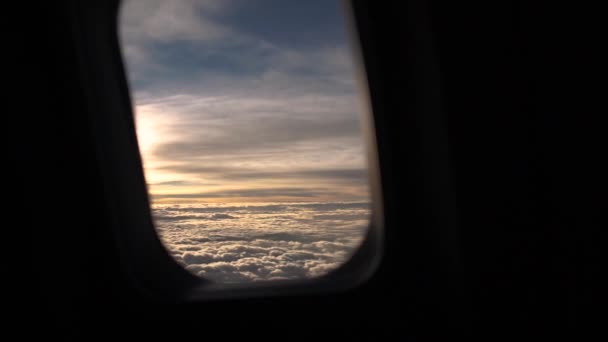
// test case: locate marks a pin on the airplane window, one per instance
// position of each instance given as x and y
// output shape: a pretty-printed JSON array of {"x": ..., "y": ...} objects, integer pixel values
[{"x": 249, "y": 126}]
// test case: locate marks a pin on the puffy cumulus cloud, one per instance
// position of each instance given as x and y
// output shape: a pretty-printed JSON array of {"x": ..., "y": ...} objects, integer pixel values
[{"x": 279, "y": 241}]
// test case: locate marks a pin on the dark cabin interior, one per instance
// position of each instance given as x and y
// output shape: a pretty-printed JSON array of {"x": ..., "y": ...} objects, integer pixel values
[{"x": 491, "y": 149}]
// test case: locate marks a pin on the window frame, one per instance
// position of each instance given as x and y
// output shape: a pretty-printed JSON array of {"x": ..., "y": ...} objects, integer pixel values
[{"x": 147, "y": 264}]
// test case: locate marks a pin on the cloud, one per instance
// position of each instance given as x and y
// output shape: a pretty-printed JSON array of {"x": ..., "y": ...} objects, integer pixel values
[
  {"x": 221, "y": 217},
  {"x": 223, "y": 102},
  {"x": 199, "y": 218},
  {"x": 240, "y": 142},
  {"x": 267, "y": 242},
  {"x": 305, "y": 129},
  {"x": 254, "y": 193},
  {"x": 358, "y": 176},
  {"x": 331, "y": 207},
  {"x": 146, "y": 26},
  {"x": 283, "y": 130},
  {"x": 177, "y": 42},
  {"x": 168, "y": 20},
  {"x": 178, "y": 183}
]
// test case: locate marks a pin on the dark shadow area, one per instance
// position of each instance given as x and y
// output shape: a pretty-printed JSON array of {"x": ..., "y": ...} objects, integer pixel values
[{"x": 491, "y": 148}]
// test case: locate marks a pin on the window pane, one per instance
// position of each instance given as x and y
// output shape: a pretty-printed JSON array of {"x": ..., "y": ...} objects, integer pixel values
[{"x": 248, "y": 123}]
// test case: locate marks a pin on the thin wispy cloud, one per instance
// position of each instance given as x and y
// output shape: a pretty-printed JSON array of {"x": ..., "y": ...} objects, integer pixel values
[{"x": 220, "y": 103}]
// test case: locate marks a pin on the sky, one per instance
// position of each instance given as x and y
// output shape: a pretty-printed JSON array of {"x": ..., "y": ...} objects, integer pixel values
[{"x": 245, "y": 101}]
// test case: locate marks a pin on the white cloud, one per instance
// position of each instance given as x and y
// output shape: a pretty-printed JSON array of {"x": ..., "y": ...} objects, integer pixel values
[
  {"x": 170, "y": 20},
  {"x": 143, "y": 24},
  {"x": 267, "y": 242},
  {"x": 195, "y": 26}
]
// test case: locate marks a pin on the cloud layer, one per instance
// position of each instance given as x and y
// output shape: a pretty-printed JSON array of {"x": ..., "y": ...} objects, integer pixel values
[{"x": 242, "y": 243}]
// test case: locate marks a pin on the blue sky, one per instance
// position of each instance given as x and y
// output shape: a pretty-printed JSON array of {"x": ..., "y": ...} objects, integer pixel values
[{"x": 245, "y": 100}]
